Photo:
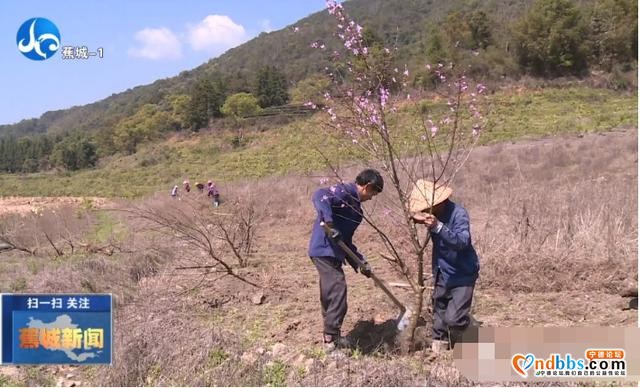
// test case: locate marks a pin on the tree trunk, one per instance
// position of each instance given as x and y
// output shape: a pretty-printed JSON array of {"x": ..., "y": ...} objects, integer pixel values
[{"x": 408, "y": 338}]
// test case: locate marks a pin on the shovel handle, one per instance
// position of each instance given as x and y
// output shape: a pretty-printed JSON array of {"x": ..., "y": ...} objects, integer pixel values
[{"x": 379, "y": 282}]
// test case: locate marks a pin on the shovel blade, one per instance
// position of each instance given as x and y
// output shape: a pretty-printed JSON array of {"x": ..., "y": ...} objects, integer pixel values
[{"x": 404, "y": 320}]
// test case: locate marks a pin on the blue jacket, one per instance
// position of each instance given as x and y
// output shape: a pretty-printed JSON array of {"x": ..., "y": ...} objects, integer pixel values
[
  {"x": 339, "y": 204},
  {"x": 453, "y": 254}
]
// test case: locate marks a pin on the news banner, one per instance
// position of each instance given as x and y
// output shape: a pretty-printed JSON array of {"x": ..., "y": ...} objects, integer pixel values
[{"x": 56, "y": 328}]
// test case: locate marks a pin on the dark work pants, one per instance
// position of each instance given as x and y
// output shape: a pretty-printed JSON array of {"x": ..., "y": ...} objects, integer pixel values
[
  {"x": 333, "y": 293},
  {"x": 451, "y": 308}
]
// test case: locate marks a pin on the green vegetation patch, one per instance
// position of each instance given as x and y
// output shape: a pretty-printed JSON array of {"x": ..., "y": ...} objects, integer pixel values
[{"x": 293, "y": 148}]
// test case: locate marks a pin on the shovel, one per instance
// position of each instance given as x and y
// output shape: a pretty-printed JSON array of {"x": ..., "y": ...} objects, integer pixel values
[{"x": 405, "y": 314}]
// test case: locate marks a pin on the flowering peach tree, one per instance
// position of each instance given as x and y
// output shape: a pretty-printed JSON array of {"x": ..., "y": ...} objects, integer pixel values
[{"x": 377, "y": 118}]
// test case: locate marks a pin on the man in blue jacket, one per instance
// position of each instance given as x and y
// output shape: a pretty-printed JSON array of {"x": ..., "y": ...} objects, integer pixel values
[
  {"x": 455, "y": 264},
  {"x": 339, "y": 206}
]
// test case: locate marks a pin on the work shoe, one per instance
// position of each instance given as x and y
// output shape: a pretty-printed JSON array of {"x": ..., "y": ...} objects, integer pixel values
[
  {"x": 439, "y": 346},
  {"x": 336, "y": 344}
]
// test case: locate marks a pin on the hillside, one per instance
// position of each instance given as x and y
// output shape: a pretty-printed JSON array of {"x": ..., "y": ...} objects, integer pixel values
[
  {"x": 293, "y": 147},
  {"x": 406, "y": 24},
  {"x": 286, "y": 49}
]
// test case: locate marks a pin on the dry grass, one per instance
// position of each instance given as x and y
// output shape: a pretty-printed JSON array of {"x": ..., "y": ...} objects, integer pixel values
[{"x": 565, "y": 218}]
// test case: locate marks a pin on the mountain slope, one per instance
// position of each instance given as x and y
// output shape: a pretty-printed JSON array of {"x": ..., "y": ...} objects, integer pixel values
[{"x": 403, "y": 23}]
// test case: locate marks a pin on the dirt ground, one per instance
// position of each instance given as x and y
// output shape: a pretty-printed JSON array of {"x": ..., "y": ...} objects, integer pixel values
[{"x": 31, "y": 204}]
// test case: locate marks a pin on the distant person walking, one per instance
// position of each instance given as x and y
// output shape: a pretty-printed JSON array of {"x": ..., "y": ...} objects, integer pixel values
[
  {"x": 454, "y": 261},
  {"x": 186, "y": 185},
  {"x": 174, "y": 192},
  {"x": 200, "y": 187},
  {"x": 212, "y": 191}
]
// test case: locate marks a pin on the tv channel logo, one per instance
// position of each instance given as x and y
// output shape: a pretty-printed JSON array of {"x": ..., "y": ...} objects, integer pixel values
[{"x": 38, "y": 39}]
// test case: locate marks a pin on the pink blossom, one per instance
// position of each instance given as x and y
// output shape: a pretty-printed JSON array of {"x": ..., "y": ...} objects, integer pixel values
[
  {"x": 406, "y": 72},
  {"x": 428, "y": 66},
  {"x": 434, "y": 130},
  {"x": 324, "y": 180},
  {"x": 334, "y": 7},
  {"x": 332, "y": 114},
  {"x": 384, "y": 96},
  {"x": 332, "y": 189},
  {"x": 296, "y": 29}
]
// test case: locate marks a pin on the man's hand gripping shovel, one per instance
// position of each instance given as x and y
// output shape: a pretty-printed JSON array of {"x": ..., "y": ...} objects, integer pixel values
[{"x": 405, "y": 314}]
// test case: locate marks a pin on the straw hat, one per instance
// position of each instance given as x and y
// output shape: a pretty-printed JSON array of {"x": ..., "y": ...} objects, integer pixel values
[{"x": 424, "y": 192}]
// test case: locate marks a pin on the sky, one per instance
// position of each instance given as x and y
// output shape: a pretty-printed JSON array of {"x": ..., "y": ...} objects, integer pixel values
[{"x": 141, "y": 41}]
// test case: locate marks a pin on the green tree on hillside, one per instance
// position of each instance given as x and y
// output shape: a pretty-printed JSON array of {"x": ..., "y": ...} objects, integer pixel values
[
  {"x": 179, "y": 107},
  {"x": 550, "y": 39},
  {"x": 614, "y": 32},
  {"x": 241, "y": 105},
  {"x": 74, "y": 152},
  {"x": 148, "y": 123},
  {"x": 311, "y": 89},
  {"x": 207, "y": 96},
  {"x": 237, "y": 107},
  {"x": 437, "y": 49},
  {"x": 9, "y": 159},
  {"x": 458, "y": 31},
  {"x": 237, "y": 82},
  {"x": 480, "y": 28},
  {"x": 271, "y": 87}
]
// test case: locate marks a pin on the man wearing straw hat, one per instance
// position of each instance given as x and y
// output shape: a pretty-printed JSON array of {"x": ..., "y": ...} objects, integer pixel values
[{"x": 455, "y": 263}]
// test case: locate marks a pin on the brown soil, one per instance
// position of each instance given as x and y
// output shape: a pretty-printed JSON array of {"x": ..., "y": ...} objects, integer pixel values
[{"x": 31, "y": 204}]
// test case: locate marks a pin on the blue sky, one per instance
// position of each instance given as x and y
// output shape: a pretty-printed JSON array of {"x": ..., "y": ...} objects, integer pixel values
[{"x": 142, "y": 41}]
